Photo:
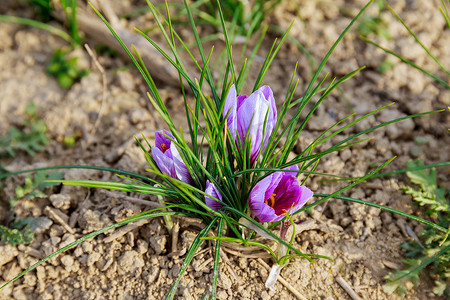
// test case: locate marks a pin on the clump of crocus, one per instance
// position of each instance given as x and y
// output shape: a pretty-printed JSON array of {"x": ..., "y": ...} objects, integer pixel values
[
  {"x": 248, "y": 114},
  {"x": 212, "y": 191},
  {"x": 276, "y": 195},
  {"x": 168, "y": 158}
]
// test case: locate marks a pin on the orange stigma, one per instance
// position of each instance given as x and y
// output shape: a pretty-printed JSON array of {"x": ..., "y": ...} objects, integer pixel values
[
  {"x": 271, "y": 200},
  {"x": 164, "y": 147}
]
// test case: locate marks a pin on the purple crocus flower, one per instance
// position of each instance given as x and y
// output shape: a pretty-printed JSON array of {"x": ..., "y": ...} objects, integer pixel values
[
  {"x": 276, "y": 195},
  {"x": 213, "y": 192},
  {"x": 168, "y": 158},
  {"x": 248, "y": 114}
]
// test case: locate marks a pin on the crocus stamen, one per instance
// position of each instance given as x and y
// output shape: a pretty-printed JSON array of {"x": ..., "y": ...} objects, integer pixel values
[
  {"x": 164, "y": 148},
  {"x": 272, "y": 200}
]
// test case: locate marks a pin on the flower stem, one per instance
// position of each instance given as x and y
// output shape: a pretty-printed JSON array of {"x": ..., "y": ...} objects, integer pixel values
[{"x": 167, "y": 219}]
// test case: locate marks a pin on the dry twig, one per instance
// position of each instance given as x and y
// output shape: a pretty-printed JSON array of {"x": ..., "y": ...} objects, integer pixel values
[
  {"x": 175, "y": 232},
  {"x": 57, "y": 218},
  {"x": 228, "y": 265},
  {"x": 124, "y": 230},
  {"x": 104, "y": 84},
  {"x": 347, "y": 288}
]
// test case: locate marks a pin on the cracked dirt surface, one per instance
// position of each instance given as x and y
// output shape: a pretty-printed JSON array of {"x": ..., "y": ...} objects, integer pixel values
[{"x": 138, "y": 262}]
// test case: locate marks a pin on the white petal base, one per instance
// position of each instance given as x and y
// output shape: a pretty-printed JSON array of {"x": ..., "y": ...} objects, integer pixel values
[{"x": 273, "y": 276}]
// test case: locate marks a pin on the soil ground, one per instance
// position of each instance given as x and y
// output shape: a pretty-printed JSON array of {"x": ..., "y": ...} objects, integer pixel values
[{"x": 140, "y": 262}]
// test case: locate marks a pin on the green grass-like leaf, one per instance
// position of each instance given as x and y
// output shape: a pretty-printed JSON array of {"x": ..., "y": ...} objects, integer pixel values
[
  {"x": 62, "y": 34},
  {"x": 215, "y": 272},
  {"x": 189, "y": 256},
  {"x": 144, "y": 215},
  {"x": 418, "y": 41},
  {"x": 411, "y": 273}
]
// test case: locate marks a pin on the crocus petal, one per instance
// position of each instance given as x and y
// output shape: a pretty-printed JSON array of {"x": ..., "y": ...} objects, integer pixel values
[
  {"x": 272, "y": 117},
  {"x": 213, "y": 192},
  {"x": 293, "y": 168},
  {"x": 268, "y": 95},
  {"x": 255, "y": 115},
  {"x": 181, "y": 171},
  {"x": 257, "y": 196},
  {"x": 167, "y": 157},
  {"x": 287, "y": 195},
  {"x": 272, "y": 185},
  {"x": 164, "y": 162},
  {"x": 251, "y": 117},
  {"x": 240, "y": 99},
  {"x": 161, "y": 138},
  {"x": 305, "y": 195},
  {"x": 276, "y": 195},
  {"x": 229, "y": 111}
]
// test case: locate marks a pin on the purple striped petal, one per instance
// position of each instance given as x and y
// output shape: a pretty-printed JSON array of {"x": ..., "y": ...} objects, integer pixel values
[
  {"x": 277, "y": 195},
  {"x": 255, "y": 115},
  {"x": 213, "y": 192},
  {"x": 168, "y": 159},
  {"x": 229, "y": 111},
  {"x": 164, "y": 162}
]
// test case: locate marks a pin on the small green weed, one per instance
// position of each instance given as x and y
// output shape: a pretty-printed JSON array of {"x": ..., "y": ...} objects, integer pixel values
[
  {"x": 45, "y": 11},
  {"x": 65, "y": 69},
  {"x": 70, "y": 141},
  {"x": 247, "y": 18},
  {"x": 429, "y": 193},
  {"x": 386, "y": 65},
  {"x": 102, "y": 49},
  {"x": 375, "y": 24},
  {"x": 17, "y": 231},
  {"x": 31, "y": 138},
  {"x": 243, "y": 17},
  {"x": 34, "y": 187},
  {"x": 433, "y": 248},
  {"x": 43, "y": 8}
]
